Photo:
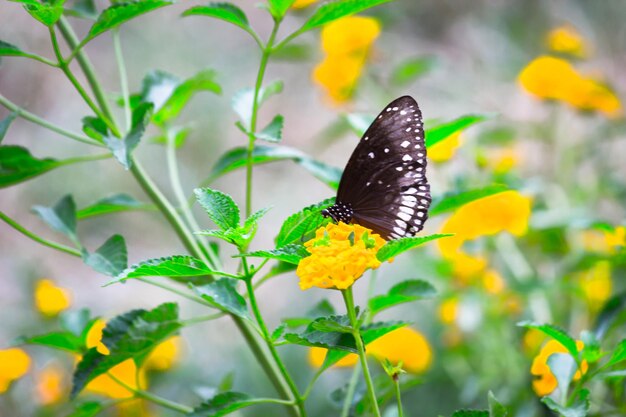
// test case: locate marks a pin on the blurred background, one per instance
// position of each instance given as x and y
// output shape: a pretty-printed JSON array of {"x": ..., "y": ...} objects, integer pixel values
[{"x": 456, "y": 58}]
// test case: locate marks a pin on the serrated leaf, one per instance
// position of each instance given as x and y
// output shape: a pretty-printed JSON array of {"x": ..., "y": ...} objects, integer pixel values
[
  {"x": 112, "y": 204},
  {"x": 313, "y": 337},
  {"x": 223, "y": 404},
  {"x": 291, "y": 253},
  {"x": 18, "y": 165},
  {"x": 471, "y": 413},
  {"x": 220, "y": 207},
  {"x": 223, "y": 295},
  {"x": 242, "y": 101},
  {"x": 109, "y": 259},
  {"x": 278, "y": 8},
  {"x": 619, "y": 354},
  {"x": 60, "y": 217},
  {"x": 67, "y": 341},
  {"x": 436, "y": 134},
  {"x": 278, "y": 332},
  {"x": 411, "y": 69},
  {"x": 404, "y": 292},
  {"x": 395, "y": 247},
  {"x": 95, "y": 128},
  {"x": 555, "y": 333},
  {"x": 227, "y": 12},
  {"x": 47, "y": 13},
  {"x": 453, "y": 201},
  {"x": 237, "y": 157},
  {"x": 334, "y": 10},
  {"x": 122, "y": 148},
  {"x": 495, "y": 408},
  {"x": 579, "y": 408},
  {"x": 173, "y": 267},
  {"x": 130, "y": 335},
  {"x": 329, "y": 324},
  {"x": 273, "y": 132},
  {"x": 298, "y": 227},
  {"x": 123, "y": 12}
]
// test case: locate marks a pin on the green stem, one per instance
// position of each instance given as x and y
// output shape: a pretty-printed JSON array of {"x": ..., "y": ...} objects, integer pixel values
[
  {"x": 267, "y": 50},
  {"x": 309, "y": 387},
  {"x": 396, "y": 383},
  {"x": 39, "y": 58},
  {"x": 356, "y": 332},
  {"x": 175, "y": 290},
  {"x": 201, "y": 319},
  {"x": 347, "y": 402},
  {"x": 85, "y": 158},
  {"x": 121, "y": 66},
  {"x": 26, "y": 115},
  {"x": 163, "y": 402},
  {"x": 36, "y": 238},
  {"x": 298, "y": 402}
]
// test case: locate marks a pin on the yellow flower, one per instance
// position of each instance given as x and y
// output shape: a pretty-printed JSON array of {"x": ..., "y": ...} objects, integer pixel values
[
  {"x": 50, "y": 300},
  {"x": 346, "y": 43},
  {"x": 506, "y": 211},
  {"x": 94, "y": 337},
  {"x": 14, "y": 363},
  {"x": 402, "y": 345},
  {"x": 125, "y": 372},
  {"x": 596, "y": 284},
  {"x": 604, "y": 241},
  {"x": 50, "y": 385},
  {"x": 616, "y": 238},
  {"x": 567, "y": 40},
  {"x": 165, "y": 355},
  {"x": 445, "y": 149},
  {"x": 448, "y": 310},
  {"x": 493, "y": 282},
  {"x": 340, "y": 254},
  {"x": 532, "y": 340},
  {"x": 545, "y": 382},
  {"x": 466, "y": 267},
  {"x": 301, "y": 4},
  {"x": 502, "y": 160}
]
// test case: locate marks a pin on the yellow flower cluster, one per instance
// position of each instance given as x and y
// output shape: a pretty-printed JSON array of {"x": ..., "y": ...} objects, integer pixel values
[
  {"x": 50, "y": 299},
  {"x": 346, "y": 43},
  {"x": 566, "y": 40},
  {"x": 545, "y": 382},
  {"x": 596, "y": 284},
  {"x": 340, "y": 254},
  {"x": 14, "y": 363},
  {"x": 604, "y": 241},
  {"x": 553, "y": 78},
  {"x": 403, "y": 345}
]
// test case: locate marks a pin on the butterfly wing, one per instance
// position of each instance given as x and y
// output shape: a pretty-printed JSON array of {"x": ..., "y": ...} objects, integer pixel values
[{"x": 385, "y": 180}]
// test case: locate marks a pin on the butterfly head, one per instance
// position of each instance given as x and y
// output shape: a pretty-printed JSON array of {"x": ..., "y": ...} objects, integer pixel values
[{"x": 339, "y": 212}]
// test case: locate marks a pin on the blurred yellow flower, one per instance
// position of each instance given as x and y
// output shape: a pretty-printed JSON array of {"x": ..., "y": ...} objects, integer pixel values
[
  {"x": 604, "y": 241},
  {"x": 340, "y": 254},
  {"x": 493, "y": 282},
  {"x": 596, "y": 284},
  {"x": 566, "y": 40},
  {"x": 346, "y": 43},
  {"x": 545, "y": 382},
  {"x": 616, "y": 238},
  {"x": 502, "y": 160},
  {"x": 445, "y": 149},
  {"x": 465, "y": 267},
  {"x": 50, "y": 300},
  {"x": 125, "y": 372},
  {"x": 301, "y": 4},
  {"x": 50, "y": 385},
  {"x": 554, "y": 78},
  {"x": 402, "y": 345},
  {"x": 448, "y": 310},
  {"x": 14, "y": 363},
  {"x": 94, "y": 337},
  {"x": 507, "y": 211},
  {"x": 165, "y": 355},
  {"x": 532, "y": 340}
]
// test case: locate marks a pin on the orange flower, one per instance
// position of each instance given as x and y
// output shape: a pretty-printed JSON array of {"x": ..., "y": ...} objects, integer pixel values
[{"x": 545, "y": 382}]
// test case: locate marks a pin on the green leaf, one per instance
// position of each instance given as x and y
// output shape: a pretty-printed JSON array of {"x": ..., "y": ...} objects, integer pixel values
[
  {"x": 87, "y": 409},
  {"x": 273, "y": 132},
  {"x": 322, "y": 309},
  {"x": 555, "y": 333},
  {"x": 404, "y": 292},
  {"x": 236, "y": 158},
  {"x": 220, "y": 207},
  {"x": 223, "y": 295},
  {"x": 330, "y": 324},
  {"x": 563, "y": 367},
  {"x": 48, "y": 12},
  {"x": 223, "y": 11},
  {"x": 369, "y": 333},
  {"x": 470, "y": 413},
  {"x": 243, "y": 99},
  {"x": 7, "y": 49},
  {"x": 67, "y": 341},
  {"x": 291, "y": 253},
  {"x": 411, "y": 69},
  {"x": 122, "y": 148},
  {"x": 18, "y": 165},
  {"x": 112, "y": 204},
  {"x": 60, "y": 217},
  {"x": 179, "y": 133},
  {"x": 278, "y": 8},
  {"x": 334, "y": 10},
  {"x": 130, "y": 335},
  {"x": 174, "y": 267},
  {"x": 111, "y": 258},
  {"x": 95, "y": 128},
  {"x": 294, "y": 52},
  {"x": 85, "y": 9},
  {"x": 440, "y": 132},
  {"x": 612, "y": 312},
  {"x": 495, "y": 408},
  {"x": 6, "y": 122},
  {"x": 452, "y": 202},
  {"x": 313, "y": 337},
  {"x": 278, "y": 332},
  {"x": 223, "y": 404},
  {"x": 123, "y": 12},
  {"x": 619, "y": 354},
  {"x": 580, "y": 408},
  {"x": 300, "y": 226},
  {"x": 395, "y": 247}
]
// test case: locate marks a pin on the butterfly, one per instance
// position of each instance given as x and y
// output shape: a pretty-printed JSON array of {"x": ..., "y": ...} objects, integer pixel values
[{"x": 384, "y": 185}]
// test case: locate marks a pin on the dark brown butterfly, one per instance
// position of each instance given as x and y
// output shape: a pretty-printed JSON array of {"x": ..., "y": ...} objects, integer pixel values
[{"x": 384, "y": 185}]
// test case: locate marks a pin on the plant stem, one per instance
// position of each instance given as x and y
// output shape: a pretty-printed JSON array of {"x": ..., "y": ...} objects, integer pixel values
[
  {"x": 201, "y": 319},
  {"x": 396, "y": 383},
  {"x": 175, "y": 290},
  {"x": 268, "y": 340},
  {"x": 356, "y": 332},
  {"x": 26, "y": 115},
  {"x": 85, "y": 158},
  {"x": 36, "y": 238},
  {"x": 347, "y": 403},
  {"x": 267, "y": 50},
  {"x": 121, "y": 66}
]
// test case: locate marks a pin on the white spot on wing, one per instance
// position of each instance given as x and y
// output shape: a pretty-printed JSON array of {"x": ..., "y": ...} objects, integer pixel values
[
  {"x": 371, "y": 154},
  {"x": 405, "y": 143},
  {"x": 407, "y": 158}
]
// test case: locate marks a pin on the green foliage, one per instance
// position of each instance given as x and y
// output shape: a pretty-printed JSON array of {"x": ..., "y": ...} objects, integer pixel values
[
  {"x": 555, "y": 333},
  {"x": 278, "y": 8},
  {"x": 291, "y": 253},
  {"x": 123, "y": 12},
  {"x": 131, "y": 335},
  {"x": 404, "y": 292},
  {"x": 6, "y": 122},
  {"x": 330, "y": 339},
  {"x": 220, "y": 207},
  {"x": 619, "y": 354},
  {"x": 563, "y": 367},
  {"x": 85, "y": 9},
  {"x": 222, "y": 404},
  {"x": 438, "y": 133},
  {"x": 395, "y": 247},
  {"x": 411, "y": 69},
  {"x": 109, "y": 259},
  {"x": 223, "y": 11},
  {"x": 72, "y": 337},
  {"x": 7, "y": 49},
  {"x": 471, "y": 413},
  {"x": 60, "y": 217},
  {"x": 173, "y": 266},
  {"x": 273, "y": 132},
  {"x": 334, "y": 10},
  {"x": 222, "y": 294},
  {"x": 108, "y": 205},
  {"x": 579, "y": 408},
  {"x": 495, "y": 408},
  {"x": 47, "y": 12},
  {"x": 122, "y": 148},
  {"x": 243, "y": 100},
  {"x": 87, "y": 409},
  {"x": 18, "y": 165},
  {"x": 300, "y": 226},
  {"x": 452, "y": 202}
]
